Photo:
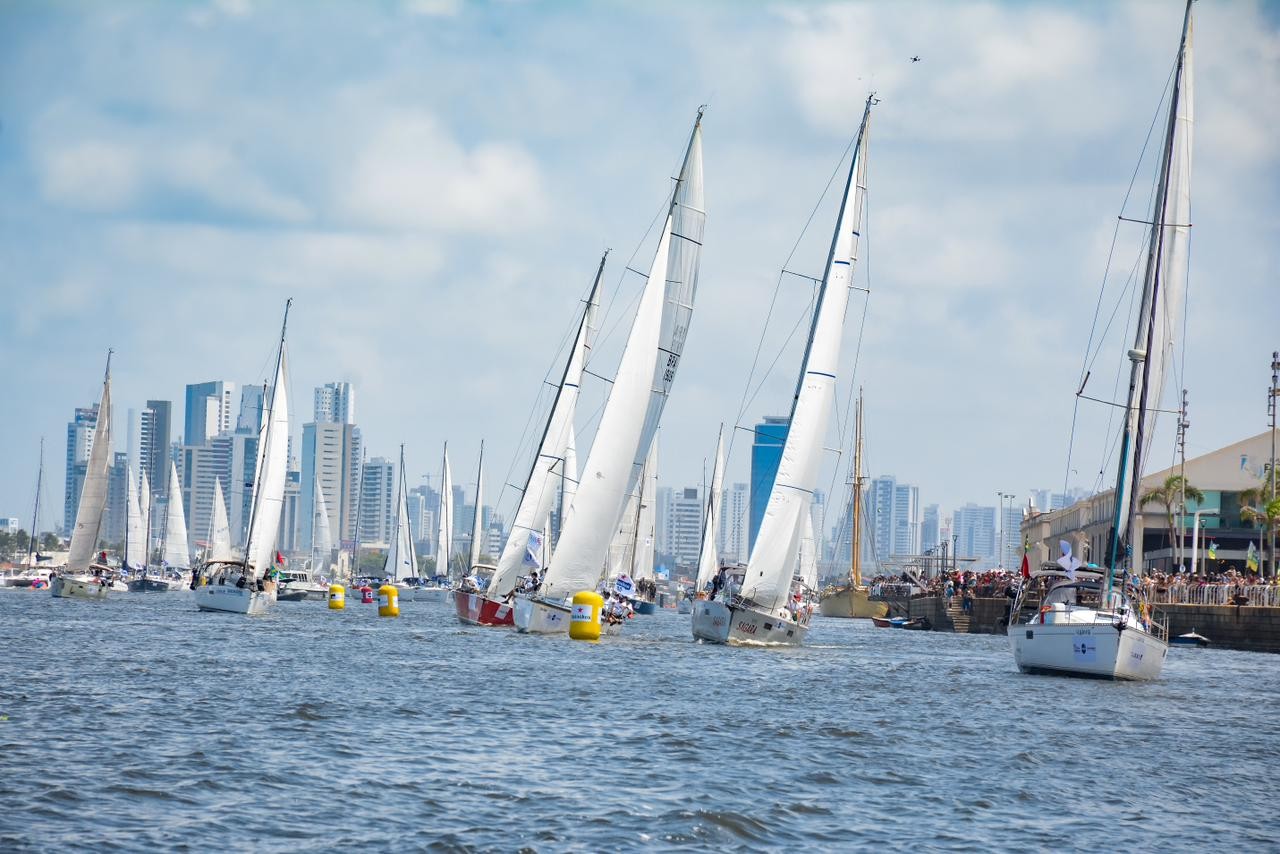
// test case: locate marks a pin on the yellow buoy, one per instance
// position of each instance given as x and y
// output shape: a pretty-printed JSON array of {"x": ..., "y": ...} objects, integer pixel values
[
  {"x": 337, "y": 597},
  {"x": 584, "y": 620},
  {"x": 388, "y": 601}
]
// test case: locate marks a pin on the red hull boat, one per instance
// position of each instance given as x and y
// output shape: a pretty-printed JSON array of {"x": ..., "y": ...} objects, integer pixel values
[{"x": 474, "y": 609}]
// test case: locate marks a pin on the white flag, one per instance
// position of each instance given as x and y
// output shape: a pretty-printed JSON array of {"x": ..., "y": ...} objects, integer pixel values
[
  {"x": 1068, "y": 561},
  {"x": 533, "y": 551}
]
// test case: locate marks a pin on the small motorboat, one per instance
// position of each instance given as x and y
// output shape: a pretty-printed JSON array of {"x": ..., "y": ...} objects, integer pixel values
[
  {"x": 1191, "y": 638},
  {"x": 919, "y": 624},
  {"x": 882, "y": 622}
]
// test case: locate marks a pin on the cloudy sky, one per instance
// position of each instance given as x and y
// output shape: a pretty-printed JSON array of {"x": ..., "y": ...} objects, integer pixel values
[{"x": 432, "y": 181}]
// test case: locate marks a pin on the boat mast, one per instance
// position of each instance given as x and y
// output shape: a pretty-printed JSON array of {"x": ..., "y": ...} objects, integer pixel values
[
  {"x": 1140, "y": 370},
  {"x": 35, "y": 513},
  {"x": 855, "y": 558},
  {"x": 264, "y": 441},
  {"x": 477, "y": 518},
  {"x": 355, "y": 538}
]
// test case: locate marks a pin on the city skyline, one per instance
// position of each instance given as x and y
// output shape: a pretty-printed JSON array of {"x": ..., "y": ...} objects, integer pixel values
[{"x": 971, "y": 268}]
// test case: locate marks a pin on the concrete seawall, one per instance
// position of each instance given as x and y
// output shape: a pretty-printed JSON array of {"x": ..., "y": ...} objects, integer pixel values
[{"x": 1226, "y": 626}]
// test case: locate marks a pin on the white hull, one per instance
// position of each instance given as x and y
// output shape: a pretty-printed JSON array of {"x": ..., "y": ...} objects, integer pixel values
[
  {"x": 716, "y": 622},
  {"x": 232, "y": 599},
  {"x": 535, "y": 617},
  {"x": 423, "y": 594},
  {"x": 1098, "y": 650},
  {"x": 78, "y": 587}
]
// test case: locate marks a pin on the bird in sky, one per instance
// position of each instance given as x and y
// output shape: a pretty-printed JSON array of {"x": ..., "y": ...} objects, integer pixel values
[{"x": 915, "y": 59}]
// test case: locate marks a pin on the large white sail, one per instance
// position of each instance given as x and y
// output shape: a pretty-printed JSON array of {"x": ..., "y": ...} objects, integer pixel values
[
  {"x": 220, "y": 527},
  {"x": 144, "y": 506},
  {"x": 556, "y": 449},
  {"x": 808, "y": 569},
  {"x": 640, "y": 387},
  {"x": 402, "y": 560},
  {"x": 444, "y": 524},
  {"x": 322, "y": 539},
  {"x": 1167, "y": 262},
  {"x": 786, "y": 516},
  {"x": 623, "y": 544},
  {"x": 93, "y": 494},
  {"x": 176, "y": 553},
  {"x": 135, "y": 535},
  {"x": 569, "y": 479},
  {"x": 271, "y": 473},
  {"x": 708, "y": 555},
  {"x": 477, "y": 520},
  {"x": 646, "y": 519}
]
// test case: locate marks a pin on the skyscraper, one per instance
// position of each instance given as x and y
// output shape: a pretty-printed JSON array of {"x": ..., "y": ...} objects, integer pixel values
[
  {"x": 153, "y": 446},
  {"x": 682, "y": 525},
  {"x": 893, "y": 518},
  {"x": 1011, "y": 535},
  {"x": 734, "y": 504},
  {"x": 975, "y": 528},
  {"x": 208, "y": 411},
  {"x": 377, "y": 500},
  {"x": 331, "y": 456},
  {"x": 930, "y": 529},
  {"x": 252, "y": 402},
  {"x": 766, "y": 454},
  {"x": 79, "y": 444},
  {"x": 335, "y": 402}
]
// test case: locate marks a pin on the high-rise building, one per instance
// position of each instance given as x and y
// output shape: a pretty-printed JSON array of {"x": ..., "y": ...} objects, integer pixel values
[
  {"x": 289, "y": 511},
  {"x": 331, "y": 456},
  {"x": 377, "y": 500},
  {"x": 153, "y": 444},
  {"x": 734, "y": 503},
  {"x": 906, "y": 520},
  {"x": 1011, "y": 535},
  {"x": 208, "y": 411},
  {"x": 892, "y": 520},
  {"x": 975, "y": 529},
  {"x": 766, "y": 454},
  {"x": 335, "y": 402},
  {"x": 115, "y": 517},
  {"x": 930, "y": 529},
  {"x": 229, "y": 460},
  {"x": 79, "y": 445},
  {"x": 679, "y": 523},
  {"x": 422, "y": 504}
]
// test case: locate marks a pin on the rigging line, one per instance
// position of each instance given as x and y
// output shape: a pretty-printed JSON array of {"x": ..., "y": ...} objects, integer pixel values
[
  {"x": 804, "y": 315},
  {"x": 755, "y": 359}
]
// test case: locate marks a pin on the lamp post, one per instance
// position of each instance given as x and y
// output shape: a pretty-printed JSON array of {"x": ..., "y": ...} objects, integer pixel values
[
  {"x": 1195, "y": 538},
  {"x": 1272, "y": 394}
]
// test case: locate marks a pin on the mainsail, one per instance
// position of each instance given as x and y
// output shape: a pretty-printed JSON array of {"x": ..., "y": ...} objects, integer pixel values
[
  {"x": 322, "y": 539},
  {"x": 640, "y": 387},
  {"x": 477, "y": 520},
  {"x": 176, "y": 553},
  {"x": 708, "y": 555},
  {"x": 786, "y": 519},
  {"x": 220, "y": 533},
  {"x": 271, "y": 471},
  {"x": 93, "y": 495},
  {"x": 444, "y": 524},
  {"x": 646, "y": 519},
  {"x": 555, "y": 450},
  {"x": 402, "y": 559},
  {"x": 135, "y": 535}
]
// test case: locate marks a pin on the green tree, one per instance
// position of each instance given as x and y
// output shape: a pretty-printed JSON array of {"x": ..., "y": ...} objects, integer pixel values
[
  {"x": 1171, "y": 494},
  {"x": 1261, "y": 506},
  {"x": 50, "y": 542}
]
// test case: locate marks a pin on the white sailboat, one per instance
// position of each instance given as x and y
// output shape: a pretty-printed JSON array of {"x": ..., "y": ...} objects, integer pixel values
[
  {"x": 300, "y": 585},
  {"x": 554, "y": 465},
  {"x": 220, "y": 549},
  {"x": 32, "y": 573},
  {"x": 436, "y": 589},
  {"x": 708, "y": 552},
  {"x": 402, "y": 557},
  {"x": 1095, "y": 623},
  {"x": 634, "y": 408},
  {"x": 477, "y": 524},
  {"x": 642, "y": 552},
  {"x": 176, "y": 552},
  {"x": 80, "y": 578},
  {"x": 240, "y": 586},
  {"x": 771, "y": 605},
  {"x": 134, "y": 560}
]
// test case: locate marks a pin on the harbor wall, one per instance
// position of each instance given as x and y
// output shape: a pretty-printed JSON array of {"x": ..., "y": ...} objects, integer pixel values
[{"x": 1246, "y": 627}]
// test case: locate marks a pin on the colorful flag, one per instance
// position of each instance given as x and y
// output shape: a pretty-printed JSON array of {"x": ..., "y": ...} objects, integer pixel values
[
  {"x": 1251, "y": 561},
  {"x": 1213, "y": 550},
  {"x": 1026, "y": 561}
]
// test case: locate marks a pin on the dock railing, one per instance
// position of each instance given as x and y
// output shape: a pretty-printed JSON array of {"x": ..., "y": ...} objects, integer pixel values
[{"x": 1265, "y": 595}]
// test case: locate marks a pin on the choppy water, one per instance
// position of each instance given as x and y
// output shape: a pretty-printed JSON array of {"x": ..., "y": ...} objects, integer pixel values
[{"x": 139, "y": 724}]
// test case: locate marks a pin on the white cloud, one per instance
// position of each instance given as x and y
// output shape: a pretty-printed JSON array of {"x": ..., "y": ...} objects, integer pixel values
[
  {"x": 433, "y": 8},
  {"x": 409, "y": 173},
  {"x": 92, "y": 175}
]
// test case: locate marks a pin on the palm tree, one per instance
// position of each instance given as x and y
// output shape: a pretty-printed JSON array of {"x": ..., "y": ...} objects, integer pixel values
[
  {"x": 1172, "y": 493},
  {"x": 1257, "y": 508}
]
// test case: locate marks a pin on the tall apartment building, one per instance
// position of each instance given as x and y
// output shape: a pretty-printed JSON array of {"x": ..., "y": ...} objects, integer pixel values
[
  {"x": 230, "y": 461},
  {"x": 252, "y": 403},
  {"x": 679, "y": 524},
  {"x": 331, "y": 463},
  {"x": 377, "y": 500},
  {"x": 335, "y": 403},
  {"x": 734, "y": 506},
  {"x": 208, "y": 411},
  {"x": 154, "y": 425},
  {"x": 975, "y": 529},
  {"x": 79, "y": 445},
  {"x": 930, "y": 528}
]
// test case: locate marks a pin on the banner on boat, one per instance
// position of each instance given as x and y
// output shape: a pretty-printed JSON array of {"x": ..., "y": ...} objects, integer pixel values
[
  {"x": 1085, "y": 649},
  {"x": 624, "y": 586}
]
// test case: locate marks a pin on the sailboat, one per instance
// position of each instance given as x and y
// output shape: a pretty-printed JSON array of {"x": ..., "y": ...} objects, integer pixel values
[
  {"x": 526, "y": 542},
  {"x": 770, "y": 604},
  {"x": 301, "y": 584},
  {"x": 176, "y": 552},
  {"x": 436, "y": 588},
  {"x": 80, "y": 578},
  {"x": 240, "y": 586},
  {"x": 32, "y": 574},
  {"x": 709, "y": 551},
  {"x": 1096, "y": 624},
  {"x": 474, "y": 567},
  {"x": 631, "y": 415},
  {"x": 402, "y": 558},
  {"x": 134, "y": 560},
  {"x": 643, "y": 531},
  {"x": 853, "y": 599}
]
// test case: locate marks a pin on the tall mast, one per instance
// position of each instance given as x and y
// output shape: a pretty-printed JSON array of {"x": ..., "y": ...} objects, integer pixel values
[
  {"x": 35, "y": 513},
  {"x": 106, "y": 387},
  {"x": 264, "y": 440},
  {"x": 1140, "y": 358},
  {"x": 355, "y": 532},
  {"x": 477, "y": 520},
  {"x": 855, "y": 558}
]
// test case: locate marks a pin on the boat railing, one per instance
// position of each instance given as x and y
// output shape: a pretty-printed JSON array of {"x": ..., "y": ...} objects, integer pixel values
[{"x": 1260, "y": 595}]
